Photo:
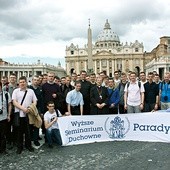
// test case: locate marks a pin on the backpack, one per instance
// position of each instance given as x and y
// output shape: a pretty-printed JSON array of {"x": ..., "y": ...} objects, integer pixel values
[{"x": 163, "y": 82}]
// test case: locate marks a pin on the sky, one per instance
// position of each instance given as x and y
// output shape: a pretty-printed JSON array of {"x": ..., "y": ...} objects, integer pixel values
[{"x": 43, "y": 28}]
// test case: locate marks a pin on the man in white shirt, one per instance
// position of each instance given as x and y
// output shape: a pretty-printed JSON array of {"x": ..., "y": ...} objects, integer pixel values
[
  {"x": 134, "y": 95},
  {"x": 23, "y": 128},
  {"x": 51, "y": 125},
  {"x": 143, "y": 79}
]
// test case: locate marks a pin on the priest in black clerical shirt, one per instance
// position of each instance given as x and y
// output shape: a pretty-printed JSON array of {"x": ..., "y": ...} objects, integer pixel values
[
  {"x": 99, "y": 99},
  {"x": 85, "y": 91}
]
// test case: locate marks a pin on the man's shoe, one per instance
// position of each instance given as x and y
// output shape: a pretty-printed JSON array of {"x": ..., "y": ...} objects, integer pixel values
[
  {"x": 39, "y": 138},
  {"x": 50, "y": 146},
  {"x": 31, "y": 149},
  {"x": 19, "y": 151},
  {"x": 36, "y": 143},
  {"x": 4, "y": 152},
  {"x": 9, "y": 146}
]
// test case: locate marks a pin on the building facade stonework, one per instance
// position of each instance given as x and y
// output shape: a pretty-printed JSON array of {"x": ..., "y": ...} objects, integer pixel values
[
  {"x": 29, "y": 70},
  {"x": 108, "y": 54},
  {"x": 159, "y": 57}
]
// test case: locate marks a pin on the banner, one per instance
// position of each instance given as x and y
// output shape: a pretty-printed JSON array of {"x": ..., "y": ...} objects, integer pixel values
[{"x": 151, "y": 127}]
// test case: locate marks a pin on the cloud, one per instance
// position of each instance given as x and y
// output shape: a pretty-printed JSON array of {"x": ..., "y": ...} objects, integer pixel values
[
  {"x": 5, "y": 4},
  {"x": 49, "y": 22}
]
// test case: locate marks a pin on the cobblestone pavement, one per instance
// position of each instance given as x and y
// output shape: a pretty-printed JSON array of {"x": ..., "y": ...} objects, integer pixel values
[{"x": 96, "y": 156}]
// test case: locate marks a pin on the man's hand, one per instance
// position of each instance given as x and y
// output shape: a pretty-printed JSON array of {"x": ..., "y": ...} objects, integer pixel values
[
  {"x": 102, "y": 105},
  {"x": 156, "y": 107},
  {"x": 125, "y": 106},
  {"x": 54, "y": 95},
  {"x": 98, "y": 105},
  {"x": 25, "y": 110},
  {"x": 141, "y": 106},
  {"x": 112, "y": 105},
  {"x": 9, "y": 117},
  {"x": 67, "y": 114},
  {"x": 55, "y": 120}
]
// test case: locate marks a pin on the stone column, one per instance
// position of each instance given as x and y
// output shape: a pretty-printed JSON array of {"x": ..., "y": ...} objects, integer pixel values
[
  {"x": 100, "y": 65},
  {"x": 78, "y": 67},
  {"x": 108, "y": 70},
  {"x": 95, "y": 66},
  {"x": 85, "y": 65},
  {"x": 8, "y": 73}
]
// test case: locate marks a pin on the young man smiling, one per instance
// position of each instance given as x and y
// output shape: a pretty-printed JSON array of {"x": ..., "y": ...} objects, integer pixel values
[{"x": 51, "y": 125}]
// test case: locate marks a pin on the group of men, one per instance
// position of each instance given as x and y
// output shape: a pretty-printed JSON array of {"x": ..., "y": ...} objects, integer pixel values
[
  {"x": 95, "y": 94},
  {"x": 125, "y": 93}
]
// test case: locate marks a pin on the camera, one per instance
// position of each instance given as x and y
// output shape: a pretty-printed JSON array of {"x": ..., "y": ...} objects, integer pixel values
[
  {"x": 165, "y": 98},
  {"x": 52, "y": 119},
  {"x": 1, "y": 111}
]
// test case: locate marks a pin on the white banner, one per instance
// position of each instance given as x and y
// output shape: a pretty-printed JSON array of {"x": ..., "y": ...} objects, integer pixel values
[{"x": 151, "y": 127}]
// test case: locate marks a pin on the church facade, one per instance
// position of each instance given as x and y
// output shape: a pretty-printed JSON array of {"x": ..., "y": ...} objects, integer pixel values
[
  {"x": 107, "y": 54},
  {"x": 159, "y": 57}
]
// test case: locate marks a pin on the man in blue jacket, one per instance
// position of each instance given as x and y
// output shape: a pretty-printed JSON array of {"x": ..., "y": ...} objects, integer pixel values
[
  {"x": 164, "y": 92},
  {"x": 114, "y": 97}
]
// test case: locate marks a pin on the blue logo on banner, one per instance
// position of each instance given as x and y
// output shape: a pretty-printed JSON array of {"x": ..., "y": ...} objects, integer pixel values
[{"x": 117, "y": 128}]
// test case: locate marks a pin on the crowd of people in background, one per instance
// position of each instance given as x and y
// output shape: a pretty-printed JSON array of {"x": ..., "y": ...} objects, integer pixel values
[{"x": 79, "y": 94}]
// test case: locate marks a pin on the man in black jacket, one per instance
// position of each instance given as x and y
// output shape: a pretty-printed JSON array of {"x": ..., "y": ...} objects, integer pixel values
[
  {"x": 151, "y": 99},
  {"x": 38, "y": 92},
  {"x": 99, "y": 99},
  {"x": 85, "y": 91}
]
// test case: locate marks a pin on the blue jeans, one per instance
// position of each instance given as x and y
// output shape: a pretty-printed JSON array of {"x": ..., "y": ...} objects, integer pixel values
[
  {"x": 133, "y": 109},
  {"x": 53, "y": 135}
]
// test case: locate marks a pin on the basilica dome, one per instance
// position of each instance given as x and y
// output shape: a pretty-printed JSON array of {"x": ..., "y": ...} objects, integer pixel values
[{"x": 106, "y": 35}]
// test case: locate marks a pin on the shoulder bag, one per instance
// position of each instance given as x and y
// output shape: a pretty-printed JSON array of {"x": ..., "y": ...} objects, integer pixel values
[{"x": 16, "y": 120}]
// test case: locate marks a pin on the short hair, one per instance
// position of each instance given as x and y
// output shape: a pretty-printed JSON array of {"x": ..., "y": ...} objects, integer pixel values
[
  {"x": 23, "y": 78},
  {"x": 56, "y": 77},
  {"x": 142, "y": 72},
  {"x": 50, "y": 102},
  {"x": 150, "y": 73},
  {"x": 4, "y": 77},
  {"x": 83, "y": 71},
  {"x": 77, "y": 82},
  {"x": 116, "y": 71},
  {"x": 123, "y": 74},
  {"x": 51, "y": 73},
  {"x": 156, "y": 74},
  {"x": 132, "y": 72},
  {"x": 68, "y": 77},
  {"x": 111, "y": 78},
  {"x": 92, "y": 74},
  {"x": 44, "y": 74},
  {"x": 13, "y": 74},
  {"x": 35, "y": 76},
  {"x": 62, "y": 77},
  {"x": 40, "y": 75}
]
